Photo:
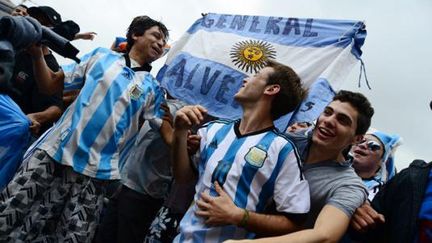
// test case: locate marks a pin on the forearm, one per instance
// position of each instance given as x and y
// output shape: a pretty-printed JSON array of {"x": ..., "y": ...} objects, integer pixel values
[
  {"x": 182, "y": 169},
  {"x": 304, "y": 236},
  {"x": 50, "y": 115},
  {"x": 270, "y": 225},
  {"x": 48, "y": 82}
]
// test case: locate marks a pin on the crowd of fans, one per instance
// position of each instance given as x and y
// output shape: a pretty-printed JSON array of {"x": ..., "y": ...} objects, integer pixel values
[{"x": 115, "y": 158}]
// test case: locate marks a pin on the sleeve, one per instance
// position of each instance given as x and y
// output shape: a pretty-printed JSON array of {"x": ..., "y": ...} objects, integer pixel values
[
  {"x": 349, "y": 195},
  {"x": 153, "y": 111},
  {"x": 75, "y": 72},
  {"x": 291, "y": 191}
]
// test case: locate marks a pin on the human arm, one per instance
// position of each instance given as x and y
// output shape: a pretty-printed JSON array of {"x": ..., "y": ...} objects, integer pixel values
[
  {"x": 48, "y": 82},
  {"x": 221, "y": 210},
  {"x": 184, "y": 119},
  {"x": 38, "y": 119},
  {"x": 85, "y": 35},
  {"x": 330, "y": 226},
  {"x": 365, "y": 218}
]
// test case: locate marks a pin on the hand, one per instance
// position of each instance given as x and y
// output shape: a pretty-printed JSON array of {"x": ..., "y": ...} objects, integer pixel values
[
  {"x": 218, "y": 210},
  {"x": 188, "y": 116},
  {"x": 167, "y": 114},
  {"x": 85, "y": 35},
  {"x": 193, "y": 143},
  {"x": 35, "y": 51},
  {"x": 35, "y": 126},
  {"x": 70, "y": 96},
  {"x": 365, "y": 218}
]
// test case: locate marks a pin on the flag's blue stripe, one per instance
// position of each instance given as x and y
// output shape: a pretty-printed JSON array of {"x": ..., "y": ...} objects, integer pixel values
[
  {"x": 249, "y": 171},
  {"x": 195, "y": 87},
  {"x": 320, "y": 95},
  {"x": 286, "y": 31}
]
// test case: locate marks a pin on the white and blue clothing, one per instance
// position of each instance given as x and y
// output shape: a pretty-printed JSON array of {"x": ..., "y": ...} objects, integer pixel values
[
  {"x": 97, "y": 131},
  {"x": 253, "y": 169}
]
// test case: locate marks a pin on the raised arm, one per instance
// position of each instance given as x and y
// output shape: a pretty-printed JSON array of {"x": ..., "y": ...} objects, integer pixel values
[
  {"x": 48, "y": 82},
  {"x": 184, "y": 119}
]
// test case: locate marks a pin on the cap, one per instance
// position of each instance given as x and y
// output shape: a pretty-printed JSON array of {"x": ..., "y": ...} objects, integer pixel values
[
  {"x": 48, "y": 12},
  {"x": 390, "y": 142},
  {"x": 67, "y": 29}
]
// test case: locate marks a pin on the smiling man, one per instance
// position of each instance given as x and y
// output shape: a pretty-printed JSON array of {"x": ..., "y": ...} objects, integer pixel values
[
  {"x": 57, "y": 194},
  {"x": 335, "y": 189}
]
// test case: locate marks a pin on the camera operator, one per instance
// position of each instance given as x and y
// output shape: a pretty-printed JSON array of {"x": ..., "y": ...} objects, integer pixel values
[{"x": 42, "y": 110}]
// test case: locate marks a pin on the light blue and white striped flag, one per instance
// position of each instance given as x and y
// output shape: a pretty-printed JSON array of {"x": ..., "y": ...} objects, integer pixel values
[{"x": 208, "y": 63}]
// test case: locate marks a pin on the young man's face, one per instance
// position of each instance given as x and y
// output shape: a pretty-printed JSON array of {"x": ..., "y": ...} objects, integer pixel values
[
  {"x": 367, "y": 154},
  {"x": 253, "y": 86},
  {"x": 19, "y": 11},
  {"x": 336, "y": 126},
  {"x": 150, "y": 44}
]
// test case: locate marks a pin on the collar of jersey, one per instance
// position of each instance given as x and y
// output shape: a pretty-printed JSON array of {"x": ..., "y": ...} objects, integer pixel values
[{"x": 146, "y": 67}]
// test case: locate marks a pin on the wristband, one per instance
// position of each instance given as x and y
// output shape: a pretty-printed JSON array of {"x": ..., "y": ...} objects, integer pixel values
[{"x": 244, "y": 221}]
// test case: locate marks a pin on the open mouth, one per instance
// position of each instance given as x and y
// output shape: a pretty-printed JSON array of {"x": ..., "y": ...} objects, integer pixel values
[
  {"x": 360, "y": 152},
  {"x": 324, "y": 132}
]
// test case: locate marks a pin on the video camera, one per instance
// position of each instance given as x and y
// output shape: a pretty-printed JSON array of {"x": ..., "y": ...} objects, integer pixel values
[{"x": 21, "y": 32}]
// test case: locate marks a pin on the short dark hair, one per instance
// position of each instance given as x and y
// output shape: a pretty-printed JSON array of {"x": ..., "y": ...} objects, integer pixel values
[
  {"x": 291, "y": 91},
  {"x": 361, "y": 104},
  {"x": 139, "y": 25},
  {"x": 21, "y": 5}
]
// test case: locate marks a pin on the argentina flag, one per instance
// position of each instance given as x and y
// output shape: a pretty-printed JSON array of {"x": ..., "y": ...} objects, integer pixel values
[{"x": 209, "y": 62}]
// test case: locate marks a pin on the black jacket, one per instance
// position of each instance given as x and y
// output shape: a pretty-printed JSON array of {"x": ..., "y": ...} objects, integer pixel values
[{"x": 400, "y": 201}]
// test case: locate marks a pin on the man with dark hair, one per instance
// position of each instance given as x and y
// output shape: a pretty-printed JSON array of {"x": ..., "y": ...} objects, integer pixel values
[
  {"x": 249, "y": 158},
  {"x": 335, "y": 189},
  {"x": 20, "y": 10},
  {"x": 139, "y": 25},
  {"x": 57, "y": 194}
]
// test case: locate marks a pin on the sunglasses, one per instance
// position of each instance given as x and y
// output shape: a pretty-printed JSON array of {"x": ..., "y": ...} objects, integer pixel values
[{"x": 372, "y": 145}]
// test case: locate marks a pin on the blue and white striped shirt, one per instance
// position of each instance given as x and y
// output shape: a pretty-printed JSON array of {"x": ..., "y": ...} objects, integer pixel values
[
  {"x": 99, "y": 128},
  {"x": 253, "y": 169}
]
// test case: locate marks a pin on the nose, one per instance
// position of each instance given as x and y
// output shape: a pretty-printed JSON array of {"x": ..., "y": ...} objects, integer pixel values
[
  {"x": 328, "y": 121},
  {"x": 161, "y": 43}
]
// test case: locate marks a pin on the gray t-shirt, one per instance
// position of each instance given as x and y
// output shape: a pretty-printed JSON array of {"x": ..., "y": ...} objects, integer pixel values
[
  {"x": 147, "y": 170},
  {"x": 330, "y": 183}
]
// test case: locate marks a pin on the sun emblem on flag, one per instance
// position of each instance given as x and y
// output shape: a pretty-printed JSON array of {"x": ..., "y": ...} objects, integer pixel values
[{"x": 251, "y": 55}]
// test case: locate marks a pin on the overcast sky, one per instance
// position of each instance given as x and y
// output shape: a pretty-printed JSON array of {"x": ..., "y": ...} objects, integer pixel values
[{"x": 397, "y": 51}]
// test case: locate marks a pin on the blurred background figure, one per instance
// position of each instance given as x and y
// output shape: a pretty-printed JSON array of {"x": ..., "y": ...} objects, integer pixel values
[
  {"x": 20, "y": 10},
  {"x": 297, "y": 126},
  {"x": 373, "y": 159}
]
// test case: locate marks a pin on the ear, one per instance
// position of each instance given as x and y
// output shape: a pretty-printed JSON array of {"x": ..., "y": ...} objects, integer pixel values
[
  {"x": 134, "y": 36},
  {"x": 272, "y": 89}
]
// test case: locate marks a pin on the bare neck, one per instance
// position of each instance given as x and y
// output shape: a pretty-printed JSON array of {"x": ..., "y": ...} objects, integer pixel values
[
  {"x": 255, "y": 118},
  {"x": 133, "y": 54},
  {"x": 320, "y": 153}
]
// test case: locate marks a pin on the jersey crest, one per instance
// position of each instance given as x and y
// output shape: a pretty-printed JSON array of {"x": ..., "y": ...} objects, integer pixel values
[{"x": 256, "y": 156}]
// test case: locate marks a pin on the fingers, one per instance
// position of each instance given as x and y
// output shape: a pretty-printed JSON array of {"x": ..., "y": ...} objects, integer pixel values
[
  {"x": 189, "y": 115},
  {"x": 205, "y": 196},
  {"x": 203, "y": 205},
  {"x": 219, "y": 189}
]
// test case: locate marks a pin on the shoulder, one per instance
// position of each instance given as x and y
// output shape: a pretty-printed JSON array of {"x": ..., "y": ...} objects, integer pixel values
[{"x": 219, "y": 122}]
